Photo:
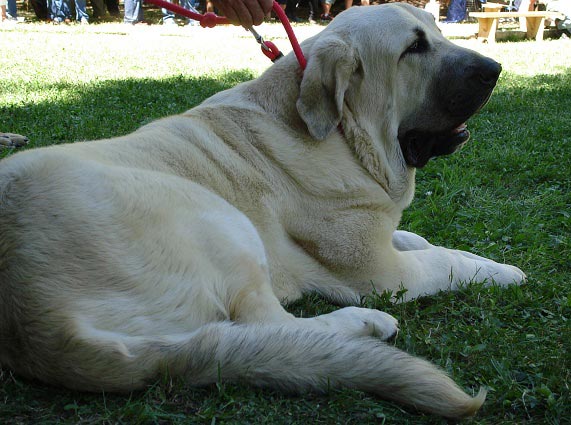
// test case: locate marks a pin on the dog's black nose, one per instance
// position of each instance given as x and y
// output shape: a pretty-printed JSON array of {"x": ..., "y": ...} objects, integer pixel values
[{"x": 487, "y": 72}]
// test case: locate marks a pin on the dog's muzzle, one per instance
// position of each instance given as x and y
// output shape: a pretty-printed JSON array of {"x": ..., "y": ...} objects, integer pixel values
[{"x": 462, "y": 87}]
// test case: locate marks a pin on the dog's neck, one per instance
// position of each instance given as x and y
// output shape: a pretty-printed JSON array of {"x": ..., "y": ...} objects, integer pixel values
[
  {"x": 382, "y": 162},
  {"x": 277, "y": 91}
]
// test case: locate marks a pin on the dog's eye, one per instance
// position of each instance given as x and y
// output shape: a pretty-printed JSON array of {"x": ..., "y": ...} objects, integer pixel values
[
  {"x": 413, "y": 47},
  {"x": 420, "y": 45}
]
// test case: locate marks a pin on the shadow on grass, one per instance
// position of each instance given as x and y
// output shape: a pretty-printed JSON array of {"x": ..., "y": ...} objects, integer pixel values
[
  {"x": 552, "y": 90},
  {"x": 105, "y": 108}
]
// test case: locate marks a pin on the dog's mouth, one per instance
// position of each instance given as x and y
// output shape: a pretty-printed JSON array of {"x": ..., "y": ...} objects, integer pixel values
[
  {"x": 418, "y": 146},
  {"x": 459, "y": 136}
]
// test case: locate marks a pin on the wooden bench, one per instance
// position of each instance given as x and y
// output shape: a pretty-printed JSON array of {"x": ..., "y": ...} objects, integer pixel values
[
  {"x": 492, "y": 7},
  {"x": 488, "y": 23}
]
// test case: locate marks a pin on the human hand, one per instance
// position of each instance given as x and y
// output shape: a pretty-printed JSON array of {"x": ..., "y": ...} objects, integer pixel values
[{"x": 245, "y": 12}]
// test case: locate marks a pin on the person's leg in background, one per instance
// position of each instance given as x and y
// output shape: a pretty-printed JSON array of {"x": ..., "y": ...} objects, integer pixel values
[
  {"x": 168, "y": 17},
  {"x": 99, "y": 9},
  {"x": 113, "y": 7},
  {"x": 81, "y": 15},
  {"x": 11, "y": 10},
  {"x": 190, "y": 5},
  {"x": 290, "y": 10},
  {"x": 133, "y": 12},
  {"x": 59, "y": 11},
  {"x": 313, "y": 10},
  {"x": 456, "y": 12},
  {"x": 40, "y": 9},
  {"x": 326, "y": 5},
  {"x": 3, "y": 16}
]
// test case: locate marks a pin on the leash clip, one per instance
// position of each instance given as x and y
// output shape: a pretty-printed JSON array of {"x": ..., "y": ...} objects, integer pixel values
[
  {"x": 268, "y": 48},
  {"x": 258, "y": 38}
]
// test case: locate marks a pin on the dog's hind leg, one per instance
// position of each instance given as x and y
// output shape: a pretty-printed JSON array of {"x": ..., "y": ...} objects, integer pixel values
[
  {"x": 252, "y": 300},
  {"x": 238, "y": 252},
  {"x": 256, "y": 303}
]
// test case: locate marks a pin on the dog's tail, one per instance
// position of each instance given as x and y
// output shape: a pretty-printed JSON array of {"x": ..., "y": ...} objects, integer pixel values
[{"x": 290, "y": 359}]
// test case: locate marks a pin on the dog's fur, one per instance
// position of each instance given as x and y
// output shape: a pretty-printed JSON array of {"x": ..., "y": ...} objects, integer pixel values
[{"x": 170, "y": 249}]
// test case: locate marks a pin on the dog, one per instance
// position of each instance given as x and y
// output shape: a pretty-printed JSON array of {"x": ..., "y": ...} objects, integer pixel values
[{"x": 172, "y": 249}]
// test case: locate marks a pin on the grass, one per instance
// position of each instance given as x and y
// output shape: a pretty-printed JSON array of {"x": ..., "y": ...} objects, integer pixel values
[{"x": 506, "y": 196}]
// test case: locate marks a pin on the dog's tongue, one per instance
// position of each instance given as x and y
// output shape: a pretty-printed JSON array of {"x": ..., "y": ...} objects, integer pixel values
[{"x": 462, "y": 127}]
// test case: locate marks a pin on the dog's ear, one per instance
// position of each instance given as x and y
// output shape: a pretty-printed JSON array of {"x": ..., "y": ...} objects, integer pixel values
[{"x": 330, "y": 66}]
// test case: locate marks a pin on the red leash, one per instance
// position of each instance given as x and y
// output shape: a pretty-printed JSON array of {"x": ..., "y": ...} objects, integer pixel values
[
  {"x": 210, "y": 20},
  {"x": 290, "y": 34}
]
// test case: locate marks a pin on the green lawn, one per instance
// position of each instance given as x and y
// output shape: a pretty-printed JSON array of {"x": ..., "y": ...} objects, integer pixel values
[{"x": 507, "y": 196}]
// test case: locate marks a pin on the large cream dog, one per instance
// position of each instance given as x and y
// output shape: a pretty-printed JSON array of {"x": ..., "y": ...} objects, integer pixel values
[{"x": 169, "y": 250}]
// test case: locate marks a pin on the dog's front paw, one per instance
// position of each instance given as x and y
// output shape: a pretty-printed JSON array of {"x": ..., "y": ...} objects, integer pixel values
[
  {"x": 491, "y": 272},
  {"x": 500, "y": 274},
  {"x": 11, "y": 140},
  {"x": 512, "y": 274}
]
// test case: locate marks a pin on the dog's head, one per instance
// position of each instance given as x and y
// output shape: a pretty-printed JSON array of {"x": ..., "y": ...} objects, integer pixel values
[{"x": 402, "y": 83}]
